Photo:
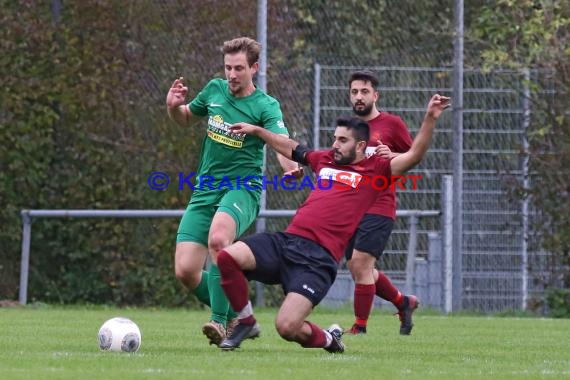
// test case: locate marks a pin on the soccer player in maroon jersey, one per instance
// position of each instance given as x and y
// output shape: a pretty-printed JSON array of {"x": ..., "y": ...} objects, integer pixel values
[
  {"x": 389, "y": 137},
  {"x": 304, "y": 258}
]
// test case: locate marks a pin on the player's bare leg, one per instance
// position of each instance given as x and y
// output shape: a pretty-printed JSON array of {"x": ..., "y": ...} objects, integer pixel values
[
  {"x": 189, "y": 260},
  {"x": 291, "y": 324}
]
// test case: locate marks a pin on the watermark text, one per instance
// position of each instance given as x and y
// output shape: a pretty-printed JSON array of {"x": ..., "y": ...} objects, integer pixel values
[{"x": 326, "y": 180}]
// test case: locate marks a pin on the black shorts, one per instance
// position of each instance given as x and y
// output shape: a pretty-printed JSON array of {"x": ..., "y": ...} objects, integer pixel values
[
  {"x": 371, "y": 235},
  {"x": 300, "y": 265}
]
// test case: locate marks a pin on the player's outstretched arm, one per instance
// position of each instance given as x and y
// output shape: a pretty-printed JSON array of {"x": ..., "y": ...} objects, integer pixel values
[
  {"x": 411, "y": 158},
  {"x": 279, "y": 143},
  {"x": 290, "y": 167},
  {"x": 176, "y": 103}
]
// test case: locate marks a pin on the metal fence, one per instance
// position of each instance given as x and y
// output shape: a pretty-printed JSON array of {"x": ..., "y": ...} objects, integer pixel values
[
  {"x": 27, "y": 215},
  {"x": 494, "y": 254}
]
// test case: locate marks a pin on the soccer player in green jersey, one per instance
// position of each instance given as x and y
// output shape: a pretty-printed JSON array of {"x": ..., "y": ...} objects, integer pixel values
[{"x": 222, "y": 209}]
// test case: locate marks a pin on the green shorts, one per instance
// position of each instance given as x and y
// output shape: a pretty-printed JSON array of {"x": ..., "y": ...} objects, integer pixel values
[{"x": 242, "y": 205}]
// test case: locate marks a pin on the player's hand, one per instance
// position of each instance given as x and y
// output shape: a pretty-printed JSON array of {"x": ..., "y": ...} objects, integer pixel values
[
  {"x": 437, "y": 104},
  {"x": 296, "y": 173},
  {"x": 383, "y": 150},
  {"x": 177, "y": 94},
  {"x": 244, "y": 129}
]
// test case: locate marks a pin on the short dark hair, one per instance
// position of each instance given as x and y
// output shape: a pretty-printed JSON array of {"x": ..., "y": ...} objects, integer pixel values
[
  {"x": 246, "y": 45},
  {"x": 359, "y": 127},
  {"x": 365, "y": 76}
]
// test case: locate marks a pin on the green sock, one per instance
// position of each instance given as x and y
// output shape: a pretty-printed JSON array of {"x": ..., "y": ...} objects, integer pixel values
[
  {"x": 201, "y": 291},
  {"x": 231, "y": 314},
  {"x": 218, "y": 301}
]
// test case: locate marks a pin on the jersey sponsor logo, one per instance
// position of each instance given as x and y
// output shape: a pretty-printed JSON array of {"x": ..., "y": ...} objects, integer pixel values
[
  {"x": 351, "y": 179},
  {"x": 225, "y": 140},
  {"x": 281, "y": 124},
  {"x": 219, "y": 131},
  {"x": 217, "y": 121},
  {"x": 215, "y": 105}
]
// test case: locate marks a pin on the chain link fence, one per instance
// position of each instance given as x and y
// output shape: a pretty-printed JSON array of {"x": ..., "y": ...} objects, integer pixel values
[{"x": 494, "y": 254}]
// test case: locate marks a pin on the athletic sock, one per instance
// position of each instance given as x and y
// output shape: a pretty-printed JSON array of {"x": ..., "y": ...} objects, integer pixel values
[
  {"x": 218, "y": 301},
  {"x": 386, "y": 290},
  {"x": 363, "y": 300},
  {"x": 201, "y": 292},
  {"x": 231, "y": 313},
  {"x": 245, "y": 316},
  {"x": 234, "y": 284},
  {"x": 318, "y": 338}
]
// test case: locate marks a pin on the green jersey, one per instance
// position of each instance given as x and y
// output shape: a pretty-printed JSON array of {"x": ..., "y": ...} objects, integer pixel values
[{"x": 226, "y": 156}]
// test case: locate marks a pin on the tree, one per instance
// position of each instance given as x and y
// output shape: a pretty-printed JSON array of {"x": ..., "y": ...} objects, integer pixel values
[
  {"x": 82, "y": 125},
  {"x": 532, "y": 34}
]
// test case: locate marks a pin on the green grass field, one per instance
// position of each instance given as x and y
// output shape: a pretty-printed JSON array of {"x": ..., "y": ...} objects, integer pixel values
[{"x": 61, "y": 343}]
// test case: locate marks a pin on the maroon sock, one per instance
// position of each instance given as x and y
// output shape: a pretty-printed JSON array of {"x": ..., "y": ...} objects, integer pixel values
[
  {"x": 363, "y": 299},
  {"x": 386, "y": 290},
  {"x": 318, "y": 339},
  {"x": 233, "y": 281}
]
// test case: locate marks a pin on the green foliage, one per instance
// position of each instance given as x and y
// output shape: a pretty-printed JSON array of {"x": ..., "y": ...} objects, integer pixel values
[
  {"x": 558, "y": 301},
  {"x": 72, "y": 137},
  {"x": 522, "y": 34},
  {"x": 27, "y": 122},
  {"x": 372, "y": 32},
  {"x": 535, "y": 35}
]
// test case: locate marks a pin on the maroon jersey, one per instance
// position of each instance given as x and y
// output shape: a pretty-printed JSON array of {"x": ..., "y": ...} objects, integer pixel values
[
  {"x": 342, "y": 195},
  {"x": 392, "y": 131}
]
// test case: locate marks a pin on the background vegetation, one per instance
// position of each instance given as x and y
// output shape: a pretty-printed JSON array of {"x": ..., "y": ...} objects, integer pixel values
[{"x": 83, "y": 123}]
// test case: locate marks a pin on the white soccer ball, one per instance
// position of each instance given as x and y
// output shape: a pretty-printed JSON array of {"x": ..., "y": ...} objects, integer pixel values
[{"x": 120, "y": 335}]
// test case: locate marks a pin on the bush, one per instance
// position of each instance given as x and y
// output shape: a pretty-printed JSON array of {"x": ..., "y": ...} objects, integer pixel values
[{"x": 558, "y": 301}]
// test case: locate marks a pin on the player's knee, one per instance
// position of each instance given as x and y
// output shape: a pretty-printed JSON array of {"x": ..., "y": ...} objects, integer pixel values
[
  {"x": 187, "y": 277},
  {"x": 361, "y": 271},
  {"x": 218, "y": 240},
  {"x": 357, "y": 267},
  {"x": 188, "y": 273},
  {"x": 361, "y": 262},
  {"x": 287, "y": 329}
]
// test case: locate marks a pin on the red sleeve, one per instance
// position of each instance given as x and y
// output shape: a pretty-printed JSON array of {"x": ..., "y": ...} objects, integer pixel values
[
  {"x": 313, "y": 158},
  {"x": 402, "y": 139}
]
